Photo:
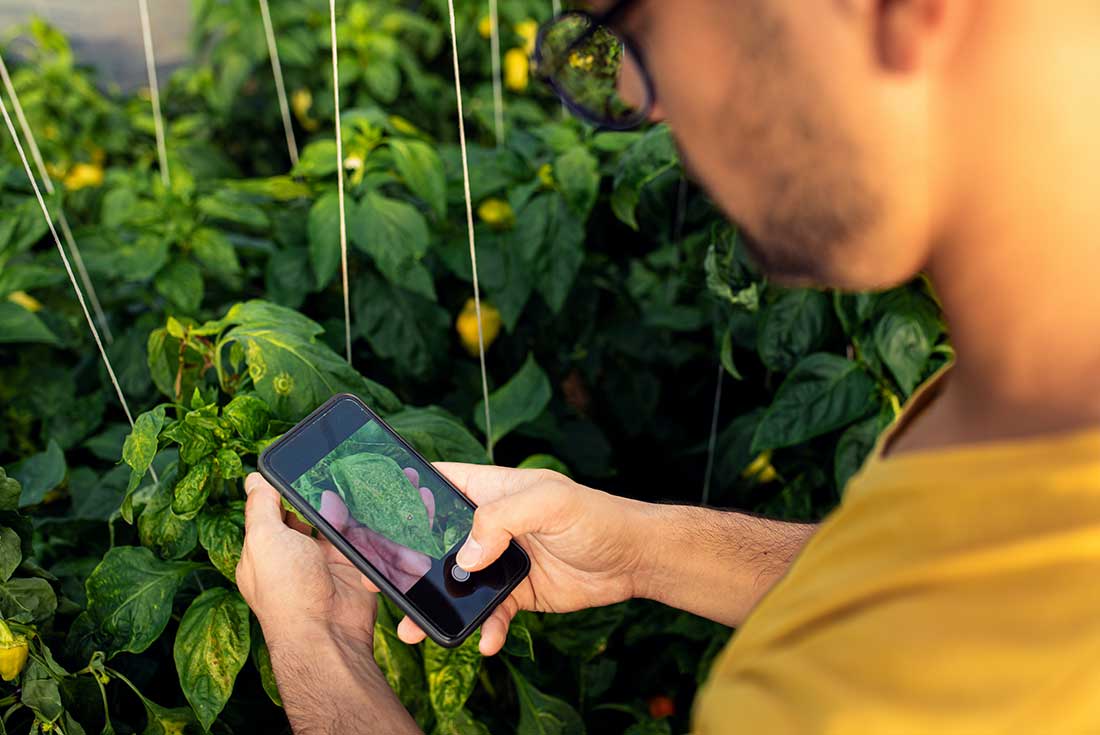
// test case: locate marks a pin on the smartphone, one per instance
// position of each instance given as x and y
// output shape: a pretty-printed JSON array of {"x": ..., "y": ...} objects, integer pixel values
[{"x": 397, "y": 519}]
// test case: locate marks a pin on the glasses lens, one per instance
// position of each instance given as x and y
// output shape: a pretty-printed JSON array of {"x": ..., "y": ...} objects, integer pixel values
[{"x": 594, "y": 70}]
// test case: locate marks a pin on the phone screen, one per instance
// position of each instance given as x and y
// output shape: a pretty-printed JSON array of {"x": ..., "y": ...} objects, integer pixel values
[{"x": 393, "y": 509}]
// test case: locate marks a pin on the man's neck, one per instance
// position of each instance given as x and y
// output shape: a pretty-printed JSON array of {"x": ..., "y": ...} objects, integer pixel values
[{"x": 1017, "y": 262}]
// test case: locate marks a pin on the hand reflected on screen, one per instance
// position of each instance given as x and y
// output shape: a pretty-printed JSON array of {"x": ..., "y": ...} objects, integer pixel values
[{"x": 402, "y": 566}]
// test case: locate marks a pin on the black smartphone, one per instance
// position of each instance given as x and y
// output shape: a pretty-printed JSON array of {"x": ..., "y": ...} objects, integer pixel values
[{"x": 392, "y": 514}]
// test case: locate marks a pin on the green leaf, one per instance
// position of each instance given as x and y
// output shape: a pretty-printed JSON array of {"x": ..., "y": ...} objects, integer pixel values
[
  {"x": 459, "y": 723},
  {"x": 324, "y": 238},
  {"x": 191, "y": 492},
  {"x": 27, "y": 600},
  {"x": 578, "y": 177},
  {"x": 10, "y": 490},
  {"x": 248, "y": 415},
  {"x": 518, "y": 401},
  {"x": 395, "y": 235},
  {"x": 541, "y": 714},
  {"x": 221, "y": 533},
  {"x": 234, "y": 207},
  {"x": 400, "y": 663},
  {"x": 130, "y": 597},
  {"x": 379, "y": 495},
  {"x": 181, "y": 283},
  {"x": 317, "y": 159},
  {"x": 216, "y": 254},
  {"x": 421, "y": 168},
  {"x": 585, "y": 634},
  {"x": 437, "y": 435},
  {"x": 138, "y": 452},
  {"x": 401, "y": 325},
  {"x": 19, "y": 325},
  {"x": 40, "y": 692},
  {"x": 261, "y": 659},
  {"x": 170, "y": 535},
  {"x": 793, "y": 326},
  {"x": 855, "y": 444},
  {"x": 11, "y": 552},
  {"x": 905, "y": 334},
  {"x": 40, "y": 473},
  {"x": 545, "y": 462},
  {"x": 451, "y": 673},
  {"x": 211, "y": 647},
  {"x": 519, "y": 641},
  {"x": 291, "y": 371},
  {"x": 168, "y": 721},
  {"x": 824, "y": 392},
  {"x": 652, "y": 155}
]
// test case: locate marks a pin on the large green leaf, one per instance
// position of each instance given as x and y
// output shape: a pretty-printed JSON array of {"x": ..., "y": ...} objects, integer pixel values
[
  {"x": 401, "y": 325},
  {"x": 379, "y": 495},
  {"x": 221, "y": 533},
  {"x": 248, "y": 415},
  {"x": 793, "y": 326},
  {"x": 216, "y": 254},
  {"x": 27, "y": 600},
  {"x": 181, "y": 283},
  {"x": 159, "y": 528},
  {"x": 130, "y": 597},
  {"x": 518, "y": 401},
  {"x": 541, "y": 714},
  {"x": 824, "y": 392},
  {"x": 451, "y": 674},
  {"x": 855, "y": 444},
  {"x": 905, "y": 334},
  {"x": 399, "y": 662},
  {"x": 40, "y": 693},
  {"x": 437, "y": 435},
  {"x": 191, "y": 491},
  {"x": 261, "y": 659},
  {"x": 211, "y": 647},
  {"x": 11, "y": 552},
  {"x": 10, "y": 490},
  {"x": 324, "y": 238},
  {"x": 20, "y": 325},
  {"x": 291, "y": 370},
  {"x": 138, "y": 452},
  {"x": 652, "y": 155},
  {"x": 395, "y": 235},
  {"x": 40, "y": 473},
  {"x": 422, "y": 170},
  {"x": 577, "y": 174}
]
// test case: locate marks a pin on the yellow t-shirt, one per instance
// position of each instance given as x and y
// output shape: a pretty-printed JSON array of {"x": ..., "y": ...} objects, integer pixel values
[{"x": 952, "y": 591}]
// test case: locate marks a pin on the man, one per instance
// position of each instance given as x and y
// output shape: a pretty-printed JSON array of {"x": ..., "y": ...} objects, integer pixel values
[{"x": 857, "y": 142}]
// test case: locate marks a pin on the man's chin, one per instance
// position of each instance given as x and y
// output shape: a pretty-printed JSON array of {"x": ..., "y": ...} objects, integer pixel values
[{"x": 782, "y": 264}]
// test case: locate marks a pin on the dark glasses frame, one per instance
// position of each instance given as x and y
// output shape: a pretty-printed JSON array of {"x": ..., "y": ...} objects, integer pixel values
[{"x": 596, "y": 22}]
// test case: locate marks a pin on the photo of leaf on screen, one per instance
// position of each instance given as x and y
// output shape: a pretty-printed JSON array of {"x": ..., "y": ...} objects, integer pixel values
[{"x": 386, "y": 502}]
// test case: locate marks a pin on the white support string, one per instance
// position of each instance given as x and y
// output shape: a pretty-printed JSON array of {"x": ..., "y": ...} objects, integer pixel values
[
  {"x": 498, "y": 89},
  {"x": 340, "y": 179},
  {"x": 66, "y": 231},
  {"x": 470, "y": 229},
  {"x": 68, "y": 267},
  {"x": 280, "y": 89},
  {"x": 154, "y": 91},
  {"x": 713, "y": 442}
]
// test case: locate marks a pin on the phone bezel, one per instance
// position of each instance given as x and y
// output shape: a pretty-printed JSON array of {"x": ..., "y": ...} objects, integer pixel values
[{"x": 361, "y": 563}]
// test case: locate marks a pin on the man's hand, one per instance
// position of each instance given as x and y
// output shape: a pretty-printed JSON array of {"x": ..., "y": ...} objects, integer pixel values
[
  {"x": 586, "y": 546},
  {"x": 589, "y": 548},
  {"x": 317, "y": 612}
]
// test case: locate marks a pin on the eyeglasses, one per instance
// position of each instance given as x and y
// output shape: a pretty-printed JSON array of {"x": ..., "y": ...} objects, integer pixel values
[{"x": 598, "y": 73}]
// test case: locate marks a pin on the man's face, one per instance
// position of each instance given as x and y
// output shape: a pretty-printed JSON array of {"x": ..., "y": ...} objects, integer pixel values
[{"x": 783, "y": 115}]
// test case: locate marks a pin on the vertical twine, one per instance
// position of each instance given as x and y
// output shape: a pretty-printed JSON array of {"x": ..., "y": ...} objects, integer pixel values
[
  {"x": 280, "y": 89},
  {"x": 154, "y": 91},
  {"x": 498, "y": 91},
  {"x": 340, "y": 179}
]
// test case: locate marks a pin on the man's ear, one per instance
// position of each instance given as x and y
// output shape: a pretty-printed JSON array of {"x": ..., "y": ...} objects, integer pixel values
[{"x": 908, "y": 32}]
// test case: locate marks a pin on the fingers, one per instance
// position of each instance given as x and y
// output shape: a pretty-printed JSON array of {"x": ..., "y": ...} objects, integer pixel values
[
  {"x": 264, "y": 509},
  {"x": 429, "y": 504},
  {"x": 486, "y": 483},
  {"x": 494, "y": 631},
  {"x": 334, "y": 510},
  {"x": 410, "y": 632},
  {"x": 413, "y": 475},
  {"x": 545, "y": 508}
]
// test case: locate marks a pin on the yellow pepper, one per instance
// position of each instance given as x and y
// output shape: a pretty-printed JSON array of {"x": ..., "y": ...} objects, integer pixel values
[
  {"x": 300, "y": 102},
  {"x": 485, "y": 26},
  {"x": 528, "y": 30},
  {"x": 497, "y": 213},
  {"x": 13, "y": 653},
  {"x": 466, "y": 325},
  {"x": 83, "y": 175},
  {"x": 25, "y": 300},
  {"x": 517, "y": 68}
]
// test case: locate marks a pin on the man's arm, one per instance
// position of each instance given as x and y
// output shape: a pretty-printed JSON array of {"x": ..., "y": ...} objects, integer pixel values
[
  {"x": 715, "y": 564},
  {"x": 330, "y": 685}
]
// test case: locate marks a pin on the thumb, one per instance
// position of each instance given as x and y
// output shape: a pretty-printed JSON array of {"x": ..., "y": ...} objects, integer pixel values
[
  {"x": 264, "y": 508},
  {"x": 541, "y": 509}
]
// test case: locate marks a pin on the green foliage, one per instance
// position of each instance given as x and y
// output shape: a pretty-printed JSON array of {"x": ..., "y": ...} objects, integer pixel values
[{"x": 224, "y": 295}]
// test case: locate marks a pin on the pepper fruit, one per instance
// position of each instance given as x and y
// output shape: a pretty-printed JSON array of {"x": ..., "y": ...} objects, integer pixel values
[
  {"x": 83, "y": 175},
  {"x": 466, "y": 325},
  {"x": 497, "y": 213},
  {"x": 517, "y": 68},
  {"x": 13, "y": 653}
]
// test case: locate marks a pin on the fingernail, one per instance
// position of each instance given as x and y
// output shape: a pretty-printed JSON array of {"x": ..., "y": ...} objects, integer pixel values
[{"x": 469, "y": 555}]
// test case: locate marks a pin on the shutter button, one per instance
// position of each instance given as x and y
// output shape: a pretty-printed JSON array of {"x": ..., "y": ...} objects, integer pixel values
[{"x": 459, "y": 574}]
